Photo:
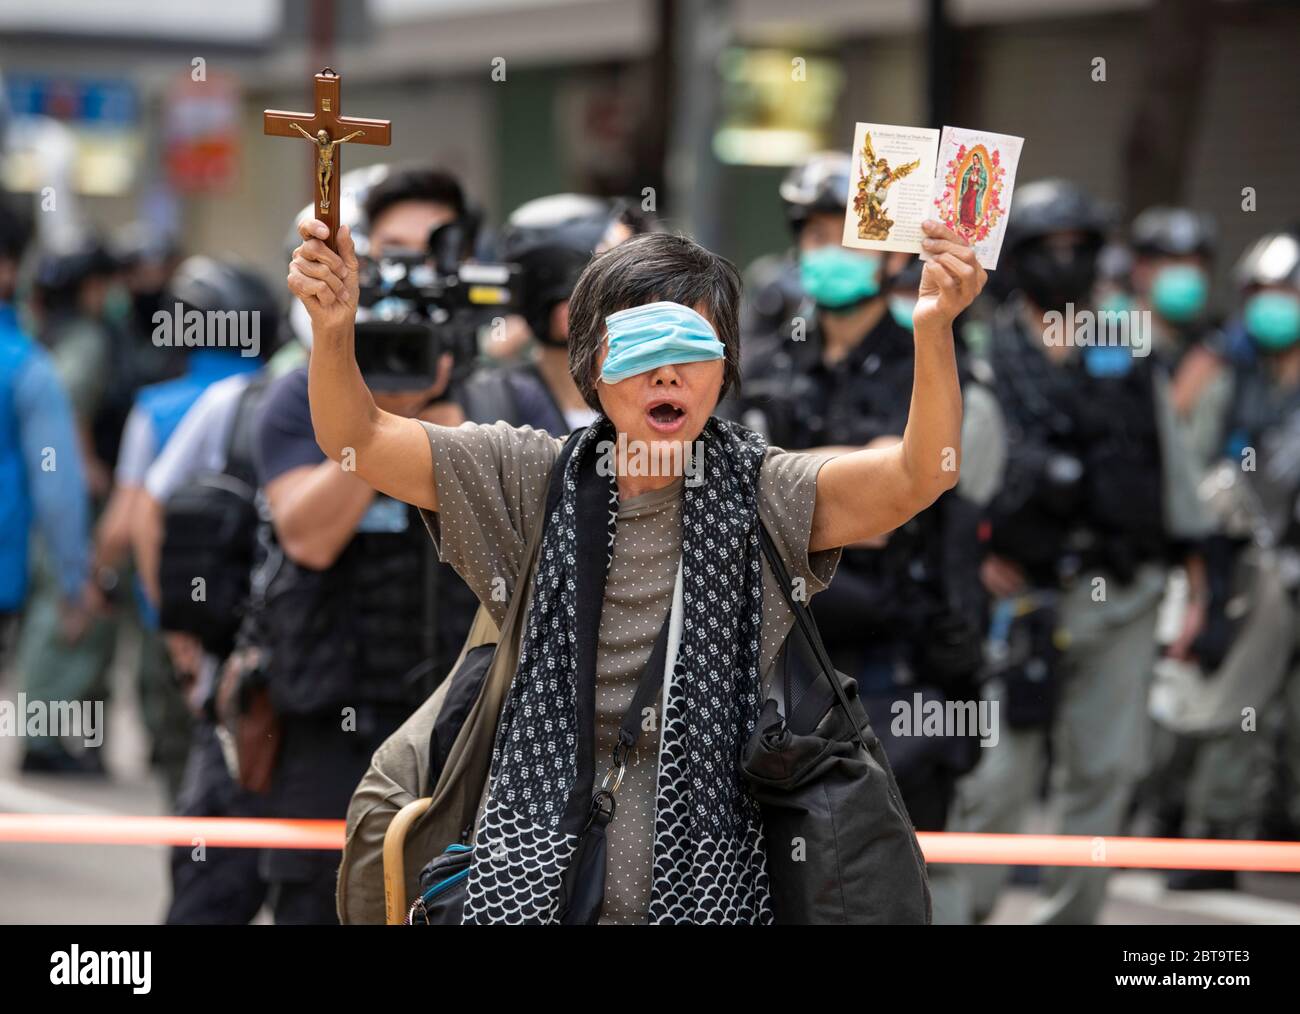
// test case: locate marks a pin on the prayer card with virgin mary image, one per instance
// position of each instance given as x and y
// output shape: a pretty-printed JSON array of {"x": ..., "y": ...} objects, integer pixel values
[{"x": 972, "y": 188}]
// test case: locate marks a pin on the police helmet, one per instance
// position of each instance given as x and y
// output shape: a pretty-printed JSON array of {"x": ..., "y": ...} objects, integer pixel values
[
  {"x": 1115, "y": 264},
  {"x": 207, "y": 283},
  {"x": 60, "y": 273},
  {"x": 1273, "y": 259},
  {"x": 818, "y": 183},
  {"x": 1043, "y": 207},
  {"x": 1173, "y": 232},
  {"x": 552, "y": 239},
  {"x": 141, "y": 242}
]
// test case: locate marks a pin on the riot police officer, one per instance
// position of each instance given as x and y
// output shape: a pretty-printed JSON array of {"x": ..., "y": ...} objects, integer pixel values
[
  {"x": 1099, "y": 495},
  {"x": 1173, "y": 251},
  {"x": 1169, "y": 276},
  {"x": 904, "y": 616},
  {"x": 1242, "y": 712}
]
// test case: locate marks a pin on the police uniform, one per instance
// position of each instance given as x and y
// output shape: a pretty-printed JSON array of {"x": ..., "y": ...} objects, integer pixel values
[
  {"x": 1100, "y": 490},
  {"x": 1220, "y": 713},
  {"x": 1241, "y": 708}
]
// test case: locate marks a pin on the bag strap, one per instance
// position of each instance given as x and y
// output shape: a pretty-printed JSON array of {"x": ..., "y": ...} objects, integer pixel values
[
  {"x": 808, "y": 627},
  {"x": 554, "y": 487},
  {"x": 651, "y": 680},
  {"x": 508, "y": 623}
]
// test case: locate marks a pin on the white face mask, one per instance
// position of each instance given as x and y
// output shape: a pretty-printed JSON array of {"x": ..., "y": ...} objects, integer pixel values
[{"x": 300, "y": 323}]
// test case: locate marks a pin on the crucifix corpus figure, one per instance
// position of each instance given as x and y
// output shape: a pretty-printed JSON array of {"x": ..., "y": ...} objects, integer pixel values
[
  {"x": 324, "y": 160},
  {"x": 324, "y": 128}
]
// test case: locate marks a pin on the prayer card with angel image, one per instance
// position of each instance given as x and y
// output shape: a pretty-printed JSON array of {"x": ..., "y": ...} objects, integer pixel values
[
  {"x": 972, "y": 190},
  {"x": 890, "y": 187}
]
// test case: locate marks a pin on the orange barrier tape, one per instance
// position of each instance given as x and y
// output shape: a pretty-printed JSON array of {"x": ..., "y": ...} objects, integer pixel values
[
  {"x": 1080, "y": 850},
  {"x": 997, "y": 849},
  {"x": 97, "y": 829}
]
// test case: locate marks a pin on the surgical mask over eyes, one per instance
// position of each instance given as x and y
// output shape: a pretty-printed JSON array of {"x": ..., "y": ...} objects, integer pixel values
[
  {"x": 833, "y": 277},
  {"x": 647, "y": 337},
  {"x": 1273, "y": 319},
  {"x": 1179, "y": 292},
  {"x": 901, "y": 308}
]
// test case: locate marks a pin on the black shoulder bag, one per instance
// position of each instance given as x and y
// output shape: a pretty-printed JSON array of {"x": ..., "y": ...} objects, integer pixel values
[{"x": 840, "y": 845}]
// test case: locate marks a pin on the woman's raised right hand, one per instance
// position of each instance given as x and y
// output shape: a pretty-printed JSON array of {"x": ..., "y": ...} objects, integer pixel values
[{"x": 325, "y": 281}]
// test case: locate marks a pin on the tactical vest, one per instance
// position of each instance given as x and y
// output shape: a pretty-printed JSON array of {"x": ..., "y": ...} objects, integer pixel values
[
  {"x": 1084, "y": 486},
  {"x": 360, "y": 633},
  {"x": 1123, "y": 469},
  {"x": 804, "y": 403}
]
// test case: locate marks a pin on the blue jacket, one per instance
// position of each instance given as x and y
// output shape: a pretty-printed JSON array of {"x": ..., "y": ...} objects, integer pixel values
[
  {"x": 41, "y": 476},
  {"x": 166, "y": 402}
]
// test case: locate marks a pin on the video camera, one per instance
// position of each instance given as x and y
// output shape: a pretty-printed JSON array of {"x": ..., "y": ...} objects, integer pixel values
[{"x": 421, "y": 305}]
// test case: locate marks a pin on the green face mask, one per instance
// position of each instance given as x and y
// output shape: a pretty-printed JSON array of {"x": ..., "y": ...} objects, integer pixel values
[
  {"x": 900, "y": 308},
  {"x": 834, "y": 277},
  {"x": 1273, "y": 319},
  {"x": 117, "y": 304},
  {"x": 1178, "y": 293}
]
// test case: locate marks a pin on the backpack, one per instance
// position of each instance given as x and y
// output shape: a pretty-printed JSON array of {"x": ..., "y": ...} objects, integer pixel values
[{"x": 209, "y": 534}]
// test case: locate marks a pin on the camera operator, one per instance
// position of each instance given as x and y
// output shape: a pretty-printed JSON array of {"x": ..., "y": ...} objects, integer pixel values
[{"x": 349, "y": 593}]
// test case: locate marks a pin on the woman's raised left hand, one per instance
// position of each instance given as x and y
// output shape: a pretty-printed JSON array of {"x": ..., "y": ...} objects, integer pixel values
[{"x": 950, "y": 280}]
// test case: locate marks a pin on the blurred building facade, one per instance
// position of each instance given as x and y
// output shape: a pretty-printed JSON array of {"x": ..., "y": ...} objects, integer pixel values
[{"x": 527, "y": 97}]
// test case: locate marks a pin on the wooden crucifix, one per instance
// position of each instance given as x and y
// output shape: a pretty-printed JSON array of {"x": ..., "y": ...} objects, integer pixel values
[{"x": 326, "y": 128}]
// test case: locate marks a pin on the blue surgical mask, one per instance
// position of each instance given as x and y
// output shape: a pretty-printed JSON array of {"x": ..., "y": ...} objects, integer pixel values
[
  {"x": 901, "y": 308},
  {"x": 1273, "y": 319},
  {"x": 1179, "y": 292},
  {"x": 1107, "y": 360},
  {"x": 834, "y": 277},
  {"x": 647, "y": 337}
]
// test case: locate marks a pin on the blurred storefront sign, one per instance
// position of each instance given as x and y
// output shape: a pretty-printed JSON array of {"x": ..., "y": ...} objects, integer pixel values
[
  {"x": 777, "y": 105},
  {"x": 201, "y": 132},
  {"x": 102, "y": 117}
]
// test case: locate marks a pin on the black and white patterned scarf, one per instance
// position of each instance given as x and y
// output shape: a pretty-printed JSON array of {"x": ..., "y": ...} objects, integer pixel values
[{"x": 709, "y": 860}]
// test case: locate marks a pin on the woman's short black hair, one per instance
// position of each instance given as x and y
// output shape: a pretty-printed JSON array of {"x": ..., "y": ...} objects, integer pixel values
[
  {"x": 647, "y": 269},
  {"x": 414, "y": 183}
]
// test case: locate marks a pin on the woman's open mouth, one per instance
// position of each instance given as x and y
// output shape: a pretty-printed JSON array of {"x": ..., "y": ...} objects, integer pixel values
[{"x": 665, "y": 416}]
